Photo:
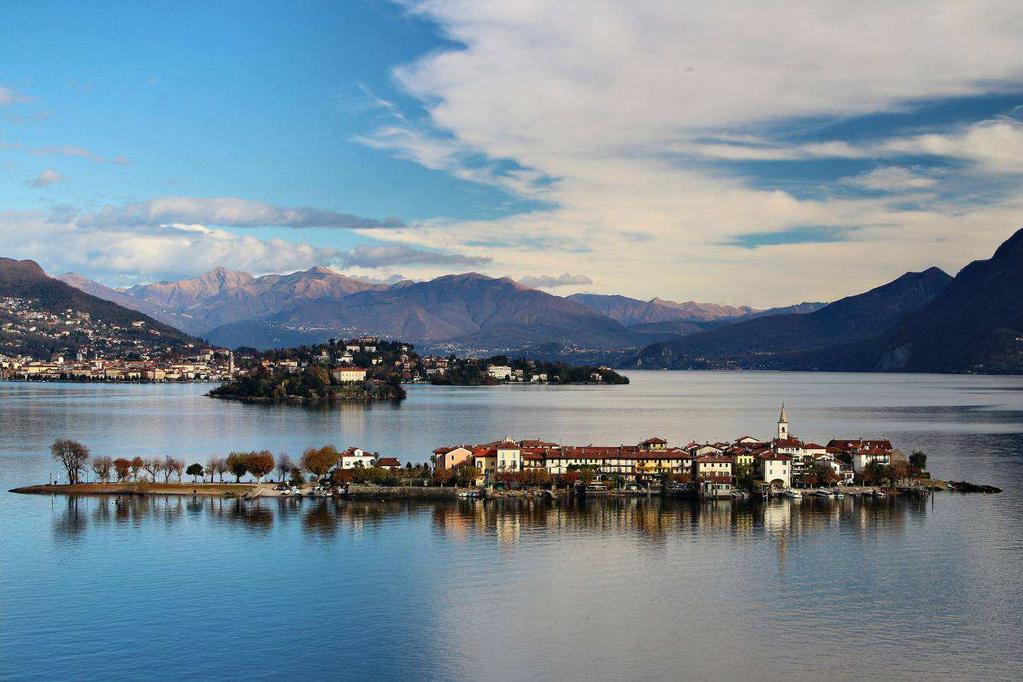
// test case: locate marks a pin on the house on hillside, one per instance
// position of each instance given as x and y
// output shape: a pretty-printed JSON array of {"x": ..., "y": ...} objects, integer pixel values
[{"x": 348, "y": 374}]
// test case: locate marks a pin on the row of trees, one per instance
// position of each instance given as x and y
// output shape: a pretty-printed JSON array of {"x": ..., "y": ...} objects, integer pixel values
[{"x": 316, "y": 462}]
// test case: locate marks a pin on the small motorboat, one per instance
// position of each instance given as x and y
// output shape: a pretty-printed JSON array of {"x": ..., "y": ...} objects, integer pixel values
[
  {"x": 792, "y": 494},
  {"x": 823, "y": 493}
]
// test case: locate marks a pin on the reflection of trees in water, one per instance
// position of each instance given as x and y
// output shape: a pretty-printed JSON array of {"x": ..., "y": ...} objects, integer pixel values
[
  {"x": 320, "y": 519},
  {"x": 72, "y": 521},
  {"x": 507, "y": 520},
  {"x": 252, "y": 514},
  {"x": 103, "y": 513}
]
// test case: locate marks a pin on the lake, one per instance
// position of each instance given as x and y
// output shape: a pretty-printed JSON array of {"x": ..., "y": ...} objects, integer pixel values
[{"x": 115, "y": 588}]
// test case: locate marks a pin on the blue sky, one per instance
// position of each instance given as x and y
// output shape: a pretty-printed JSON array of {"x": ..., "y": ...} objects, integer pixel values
[{"x": 581, "y": 146}]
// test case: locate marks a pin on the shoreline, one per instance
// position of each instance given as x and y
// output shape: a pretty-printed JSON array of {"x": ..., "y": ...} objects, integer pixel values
[
  {"x": 357, "y": 491},
  {"x": 140, "y": 488}
]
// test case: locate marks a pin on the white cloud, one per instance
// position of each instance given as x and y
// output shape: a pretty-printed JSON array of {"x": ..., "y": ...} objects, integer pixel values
[
  {"x": 226, "y": 212},
  {"x": 551, "y": 281},
  {"x": 46, "y": 178},
  {"x": 389, "y": 255},
  {"x": 611, "y": 100},
  {"x": 123, "y": 255},
  {"x": 994, "y": 146},
  {"x": 890, "y": 179}
]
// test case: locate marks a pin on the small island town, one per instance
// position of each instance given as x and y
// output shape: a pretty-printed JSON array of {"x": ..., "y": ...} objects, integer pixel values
[{"x": 746, "y": 468}]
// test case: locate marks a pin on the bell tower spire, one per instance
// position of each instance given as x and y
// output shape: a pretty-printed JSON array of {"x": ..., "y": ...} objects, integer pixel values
[{"x": 783, "y": 424}]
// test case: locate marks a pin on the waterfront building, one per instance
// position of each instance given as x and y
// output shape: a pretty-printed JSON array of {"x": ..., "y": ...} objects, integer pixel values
[
  {"x": 356, "y": 457},
  {"x": 499, "y": 372},
  {"x": 449, "y": 457},
  {"x": 348, "y": 374},
  {"x": 713, "y": 466},
  {"x": 775, "y": 469}
]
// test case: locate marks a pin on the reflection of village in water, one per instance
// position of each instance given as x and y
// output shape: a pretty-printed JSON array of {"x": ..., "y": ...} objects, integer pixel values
[{"x": 505, "y": 522}]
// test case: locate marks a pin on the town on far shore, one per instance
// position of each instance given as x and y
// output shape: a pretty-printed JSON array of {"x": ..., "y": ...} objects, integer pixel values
[{"x": 366, "y": 366}]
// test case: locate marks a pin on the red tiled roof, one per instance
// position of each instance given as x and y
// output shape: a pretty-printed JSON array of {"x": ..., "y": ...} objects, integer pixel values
[
  {"x": 388, "y": 462},
  {"x": 720, "y": 459}
]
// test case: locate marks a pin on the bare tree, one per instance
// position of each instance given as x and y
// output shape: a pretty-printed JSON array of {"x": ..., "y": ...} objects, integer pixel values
[
  {"x": 153, "y": 466},
  {"x": 211, "y": 467},
  {"x": 220, "y": 465},
  {"x": 167, "y": 467},
  {"x": 177, "y": 466},
  {"x": 284, "y": 465},
  {"x": 103, "y": 467},
  {"x": 73, "y": 455}
]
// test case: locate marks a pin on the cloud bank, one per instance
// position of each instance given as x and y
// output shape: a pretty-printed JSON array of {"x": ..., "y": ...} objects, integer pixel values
[
  {"x": 551, "y": 281},
  {"x": 226, "y": 212},
  {"x": 632, "y": 122},
  {"x": 385, "y": 256}
]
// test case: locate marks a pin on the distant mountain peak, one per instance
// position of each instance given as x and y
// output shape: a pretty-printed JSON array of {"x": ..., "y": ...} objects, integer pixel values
[{"x": 1013, "y": 246}]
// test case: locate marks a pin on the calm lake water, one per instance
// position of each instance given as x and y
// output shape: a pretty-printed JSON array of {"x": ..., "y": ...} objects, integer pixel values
[{"x": 104, "y": 588}]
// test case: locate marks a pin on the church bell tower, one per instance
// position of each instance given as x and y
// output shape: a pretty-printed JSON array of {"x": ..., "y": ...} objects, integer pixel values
[{"x": 783, "y": 424}]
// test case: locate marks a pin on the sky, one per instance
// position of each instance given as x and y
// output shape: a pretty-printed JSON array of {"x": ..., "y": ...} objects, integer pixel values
[{"x": 759, "y": 153}]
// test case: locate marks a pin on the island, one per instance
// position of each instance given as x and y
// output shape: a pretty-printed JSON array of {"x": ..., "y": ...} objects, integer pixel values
[
  {"x": 311, "y": 384},
  {"x": 368, "y": 369},
  {"x": 743, "y": 469}
]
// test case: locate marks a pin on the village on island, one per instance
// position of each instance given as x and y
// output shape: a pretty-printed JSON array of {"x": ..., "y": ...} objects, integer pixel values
[
  {"x": 748, "y": 467},
  {"x": 783, "y": 465}
]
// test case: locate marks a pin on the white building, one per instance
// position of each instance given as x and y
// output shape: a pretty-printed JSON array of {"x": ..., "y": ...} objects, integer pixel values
[
  {"x": 864, "y": 457},
  {"x": 500, "y": 372},
  {"x": 355, "y": 457},
  {"x": 348, "y": 374},
  {"x": 775, "y": 469}
]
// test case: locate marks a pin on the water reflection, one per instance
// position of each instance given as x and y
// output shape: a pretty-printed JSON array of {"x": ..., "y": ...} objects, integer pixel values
[{"x": 507, "y": 521}]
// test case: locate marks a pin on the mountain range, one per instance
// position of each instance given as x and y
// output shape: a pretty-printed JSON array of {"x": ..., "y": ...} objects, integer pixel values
[
  {"x": 25, "y": 280},
  {"x": 469, "y": 312},
  {"x": 975, "y": 324},
  {"x": 921, "y": 321},
  {"x": 775, "y": 341}
]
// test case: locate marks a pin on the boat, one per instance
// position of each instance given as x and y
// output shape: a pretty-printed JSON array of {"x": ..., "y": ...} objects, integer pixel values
[
  {"x": 468, "y": 494},
  {"x": 792, "y": 494},
  {"x": 823, "y": 493},
  {"x": 596, "y": 489},
  {"x": 878, "y": 493},
  {"x": 837, "y": 494}
]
